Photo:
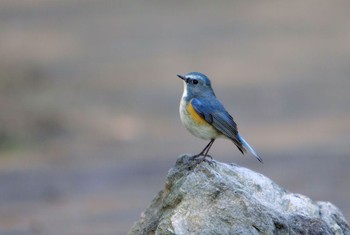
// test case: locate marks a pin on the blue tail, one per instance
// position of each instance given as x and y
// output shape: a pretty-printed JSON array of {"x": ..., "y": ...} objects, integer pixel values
[{"x": 247, "y": 146}]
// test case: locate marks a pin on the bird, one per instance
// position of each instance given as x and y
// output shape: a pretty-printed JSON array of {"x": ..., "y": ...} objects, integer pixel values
[{"x": 204, "y": 116}]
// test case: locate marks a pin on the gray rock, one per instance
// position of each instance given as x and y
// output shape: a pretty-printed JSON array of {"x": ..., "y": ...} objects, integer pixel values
[{"x": 229, "y": 199}]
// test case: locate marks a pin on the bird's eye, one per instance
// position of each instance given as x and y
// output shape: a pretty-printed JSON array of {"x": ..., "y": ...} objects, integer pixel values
[{"x": 194, "y": 81}]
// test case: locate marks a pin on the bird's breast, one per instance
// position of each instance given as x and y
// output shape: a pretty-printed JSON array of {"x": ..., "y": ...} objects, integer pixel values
[{"x": 194, "y": 123}]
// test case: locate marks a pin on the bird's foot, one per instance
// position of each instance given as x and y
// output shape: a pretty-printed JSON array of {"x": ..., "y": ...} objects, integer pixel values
[{"x": 197, "y": 159}]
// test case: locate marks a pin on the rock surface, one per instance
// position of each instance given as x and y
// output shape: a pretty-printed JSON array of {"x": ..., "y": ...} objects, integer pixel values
[{"x": 229, "y": 199}]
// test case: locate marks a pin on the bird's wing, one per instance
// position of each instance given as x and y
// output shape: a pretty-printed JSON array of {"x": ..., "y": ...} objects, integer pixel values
[{"x": 219, "y": 118}]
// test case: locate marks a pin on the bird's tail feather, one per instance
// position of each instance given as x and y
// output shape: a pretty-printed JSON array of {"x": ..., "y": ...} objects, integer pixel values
[{"x": 247, "y": 146}]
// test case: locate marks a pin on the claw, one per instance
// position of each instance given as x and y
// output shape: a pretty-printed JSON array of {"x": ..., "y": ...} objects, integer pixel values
[{"x": 202, "y": 158}]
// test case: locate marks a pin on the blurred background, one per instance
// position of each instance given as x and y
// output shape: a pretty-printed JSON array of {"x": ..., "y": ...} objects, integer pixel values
[{"x": 89, "y": 97}]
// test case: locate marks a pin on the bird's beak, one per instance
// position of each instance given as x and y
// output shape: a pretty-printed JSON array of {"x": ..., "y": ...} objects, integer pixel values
[{"x": 182, "y": 77}]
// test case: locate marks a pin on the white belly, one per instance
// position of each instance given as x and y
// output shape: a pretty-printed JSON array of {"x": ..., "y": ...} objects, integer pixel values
[{"x": 206, "y": 131}]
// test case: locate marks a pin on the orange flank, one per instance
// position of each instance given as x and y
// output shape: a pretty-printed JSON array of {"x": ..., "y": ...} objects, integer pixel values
[{"x": 195, "y": 116}]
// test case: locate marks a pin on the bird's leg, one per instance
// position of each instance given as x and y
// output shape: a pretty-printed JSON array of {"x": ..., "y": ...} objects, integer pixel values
[
  {"x": 204, "y": 153},
  {"x": 205, "y": 150},
  {"x": 208, "y": 147}
]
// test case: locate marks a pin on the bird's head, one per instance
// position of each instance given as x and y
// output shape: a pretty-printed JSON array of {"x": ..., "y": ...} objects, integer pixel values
[{"x": 196, "y": 85}]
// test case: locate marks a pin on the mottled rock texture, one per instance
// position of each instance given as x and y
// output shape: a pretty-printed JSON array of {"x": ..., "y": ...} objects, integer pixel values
[{"x": 229, "y": 199}]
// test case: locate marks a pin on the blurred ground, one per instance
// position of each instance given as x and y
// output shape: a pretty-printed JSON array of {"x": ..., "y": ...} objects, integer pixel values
[{"x": 89, "y": 98}]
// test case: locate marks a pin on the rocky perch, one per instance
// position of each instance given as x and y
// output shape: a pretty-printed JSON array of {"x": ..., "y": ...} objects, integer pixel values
[{"x": 230, "y": 199}]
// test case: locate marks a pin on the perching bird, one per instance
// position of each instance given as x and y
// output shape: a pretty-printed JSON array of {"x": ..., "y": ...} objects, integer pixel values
[{"x": 205, "y": 117}]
